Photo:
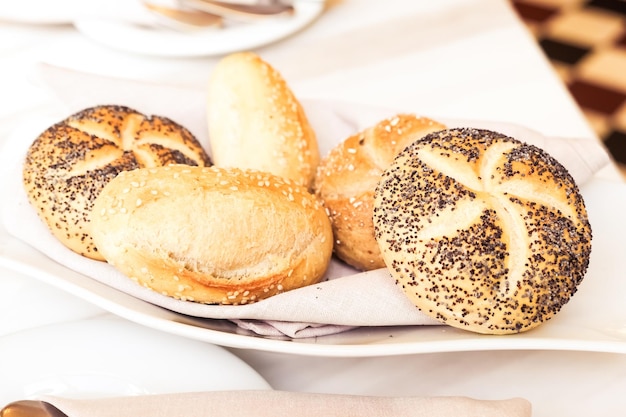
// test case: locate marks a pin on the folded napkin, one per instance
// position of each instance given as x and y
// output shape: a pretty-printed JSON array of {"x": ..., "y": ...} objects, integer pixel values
[
  {"x": 345, "y": 299},
  {"x": 287, "y": 404}
]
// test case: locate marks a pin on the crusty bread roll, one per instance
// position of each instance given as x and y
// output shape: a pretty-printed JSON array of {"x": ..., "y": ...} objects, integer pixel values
[
  {"x": 347, "y": 177},
  {"x": 68, "y": 164},
  {"x": 481, "y": 231},
  {"x": 256, "y": 122},
  {"x": 212, "y": 235}
]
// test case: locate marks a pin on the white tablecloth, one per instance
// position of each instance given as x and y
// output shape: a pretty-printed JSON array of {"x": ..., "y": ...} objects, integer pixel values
[{"x": 464, "y": 59}]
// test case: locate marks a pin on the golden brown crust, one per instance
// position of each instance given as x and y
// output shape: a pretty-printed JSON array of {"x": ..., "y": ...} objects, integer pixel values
[
  {"x": 347, "y": 177},
  {"x": 256, "y": 122},
  {"x": 212, "y": 235},
  {"x": 68, "y": 164},
  {"x": 481, "y": 231}
]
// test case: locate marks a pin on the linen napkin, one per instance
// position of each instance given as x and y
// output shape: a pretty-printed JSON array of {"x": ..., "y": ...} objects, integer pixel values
[
  {"x": 287, "y": 404},
  {"x": 344, "y": 300}
]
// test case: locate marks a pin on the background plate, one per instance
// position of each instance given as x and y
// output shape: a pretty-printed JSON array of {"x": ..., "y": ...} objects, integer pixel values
[
  {"x": 213, "y": 41},
  {"x": 109, "y": 356}
]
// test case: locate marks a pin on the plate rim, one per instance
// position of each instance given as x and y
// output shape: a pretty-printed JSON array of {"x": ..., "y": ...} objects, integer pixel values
[
  {"x": 201, "y": 43},
  {"x": 47, "y": 378}
]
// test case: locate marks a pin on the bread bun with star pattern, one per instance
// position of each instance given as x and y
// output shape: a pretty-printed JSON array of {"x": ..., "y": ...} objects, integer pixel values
[
  {"x": 67, "y": 166},
  {"x": 481, "y": 231}
]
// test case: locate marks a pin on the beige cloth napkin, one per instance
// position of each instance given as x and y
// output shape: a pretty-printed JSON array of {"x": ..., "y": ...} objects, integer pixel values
[
  {"x": 335, "y": 305},
  {"x": 288, "y": 404}
]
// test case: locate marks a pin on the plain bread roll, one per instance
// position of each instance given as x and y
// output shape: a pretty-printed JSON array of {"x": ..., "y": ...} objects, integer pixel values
[
  {"x": 256, "y": 122},
  {"x": 481, "y": 231},
  {"x": 212, "y": 235}
]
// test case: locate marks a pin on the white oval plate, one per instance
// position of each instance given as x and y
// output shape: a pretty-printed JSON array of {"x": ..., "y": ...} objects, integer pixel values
[
  {"x": 594, "y": 320},
  {"x": 110, "y": 356},
  {"x": 129, "y": 37}
]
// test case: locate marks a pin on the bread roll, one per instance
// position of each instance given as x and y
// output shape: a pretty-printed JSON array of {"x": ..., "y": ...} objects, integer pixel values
[
  {"x": 212, "y": 235},
  {"x": 69, "y": 163},
  {"x": 347, "y": 177},
  {"x": 256, "y": 122},
  {"x": 481, "y": 231}
]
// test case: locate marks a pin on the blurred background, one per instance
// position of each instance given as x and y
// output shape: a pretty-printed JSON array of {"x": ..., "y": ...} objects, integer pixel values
[{"x": 586, "y": 43}]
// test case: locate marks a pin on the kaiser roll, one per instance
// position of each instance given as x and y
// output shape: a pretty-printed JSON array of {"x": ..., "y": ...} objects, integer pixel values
[
  {"x": 481, "y": 231},
  {"x": 347, "y": 177},
  {"x": 69, "y": 163}
]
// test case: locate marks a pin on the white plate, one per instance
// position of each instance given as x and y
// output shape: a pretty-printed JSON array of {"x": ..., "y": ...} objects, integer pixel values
[
  {"x": 594, "y": 320},
  {"x": 212, "y": 41},
  {"x": 110, "y": 356},
  {"x": 45, "y": 12}
]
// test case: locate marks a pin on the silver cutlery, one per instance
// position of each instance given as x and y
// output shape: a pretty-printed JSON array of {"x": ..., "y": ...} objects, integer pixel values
[
  {"x": 240, "y": 11},
  {"x": 199, "y": 14},
  {"x": 183, "y": 20}
]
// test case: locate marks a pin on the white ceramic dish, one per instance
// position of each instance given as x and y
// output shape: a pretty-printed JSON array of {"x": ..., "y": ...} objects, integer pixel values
[
  {"x": 594, "y": 320},
  {"x": 110, "y": 356},
  {"x": 130, "y": 37},
  {"x": 44, "y": 12}
]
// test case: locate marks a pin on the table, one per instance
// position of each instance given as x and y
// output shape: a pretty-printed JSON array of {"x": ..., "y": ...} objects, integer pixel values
[{"x": 467, "y": 59}]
